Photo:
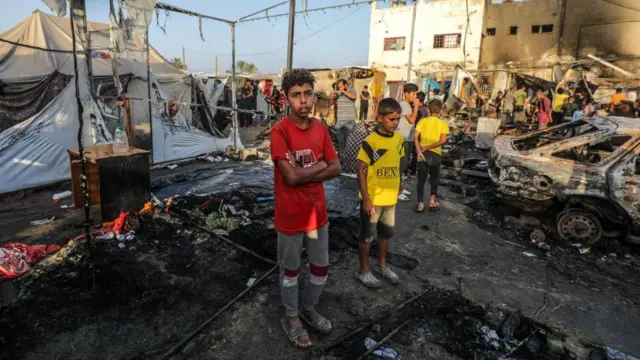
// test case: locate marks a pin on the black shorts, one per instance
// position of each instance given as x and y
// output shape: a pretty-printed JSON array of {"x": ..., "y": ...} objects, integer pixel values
[{"x": 381, "y": 224}]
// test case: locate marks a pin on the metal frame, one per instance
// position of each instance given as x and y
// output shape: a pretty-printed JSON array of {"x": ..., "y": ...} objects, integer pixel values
[{"x": 247, "y": 18}]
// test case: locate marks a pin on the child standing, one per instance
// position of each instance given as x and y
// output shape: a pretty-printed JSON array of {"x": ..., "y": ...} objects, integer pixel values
[
  {"x": 379, "y": 180},
  {"x": 304, "y": 157},
  {"x": 431, "y": 133}
]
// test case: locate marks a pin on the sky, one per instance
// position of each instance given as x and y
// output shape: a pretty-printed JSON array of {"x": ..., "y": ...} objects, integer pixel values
[{"x": 336, "y": 38}]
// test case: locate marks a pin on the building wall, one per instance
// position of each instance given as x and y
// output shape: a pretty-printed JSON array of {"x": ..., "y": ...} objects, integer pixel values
[
  {"x": 618, "y": 39},
  {"x": 535, "y": 51},
  {"x": 435, "y": 17},
  {"x": 525, "y": 49}
]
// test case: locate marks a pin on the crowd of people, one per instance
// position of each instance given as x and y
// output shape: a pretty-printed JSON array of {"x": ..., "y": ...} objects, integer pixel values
[
  {"x": 402, "y": 135},
  {"x": 546, "y": 107}
]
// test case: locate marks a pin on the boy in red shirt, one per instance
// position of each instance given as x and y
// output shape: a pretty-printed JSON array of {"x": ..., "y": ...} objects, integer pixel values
[{"x": 303, "y": 158}]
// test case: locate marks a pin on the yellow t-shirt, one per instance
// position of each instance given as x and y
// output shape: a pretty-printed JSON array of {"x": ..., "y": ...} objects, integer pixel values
[
  {"x": 558, "y": 102},
  {"x": 521, "y": 96},
  {"x": 430, "y": 130},
  {"x": 383, "y": 154}
]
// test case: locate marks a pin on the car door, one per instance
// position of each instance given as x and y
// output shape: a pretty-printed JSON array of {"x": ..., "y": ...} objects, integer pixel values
[{"x": 624, "y": 183}]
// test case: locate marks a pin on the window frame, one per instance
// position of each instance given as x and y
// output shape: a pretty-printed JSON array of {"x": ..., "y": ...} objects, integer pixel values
[
  {"x": 444, "y": 38},
  {"x": 396, "y": 40}
]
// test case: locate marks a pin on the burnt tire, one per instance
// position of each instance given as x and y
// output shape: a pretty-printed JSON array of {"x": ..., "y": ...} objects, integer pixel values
[{"x": 578, "y": 226}]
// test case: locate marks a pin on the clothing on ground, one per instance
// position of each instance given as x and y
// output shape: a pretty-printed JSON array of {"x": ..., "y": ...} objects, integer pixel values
[
  {"x": 405, "y": 128},
  {"x": 382, "y": 153},
  {"x": 316, "y": 243},
  {"x": 300, "y": 208},
  {"x": 349, "y": 157},
  {"x": 345, "y": 107},
  {"x": 430, "y": 130}
]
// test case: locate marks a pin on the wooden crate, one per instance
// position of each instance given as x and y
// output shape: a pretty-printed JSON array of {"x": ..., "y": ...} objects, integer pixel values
[{"x": 117, "y": 181}]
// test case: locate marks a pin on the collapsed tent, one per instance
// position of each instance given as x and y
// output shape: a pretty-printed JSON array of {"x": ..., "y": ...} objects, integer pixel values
[{"x": 36, "y": 58}]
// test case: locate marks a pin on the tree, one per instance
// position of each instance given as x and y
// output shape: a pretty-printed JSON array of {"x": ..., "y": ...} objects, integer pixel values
[
  {"x": 178, "y": 64},
  {"x": 246, "y": 67}
]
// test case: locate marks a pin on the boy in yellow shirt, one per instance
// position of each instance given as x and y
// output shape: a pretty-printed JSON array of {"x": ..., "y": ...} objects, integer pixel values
[
  {"x": 431, "y": 133},
  {"x": 379, "y": 181}
]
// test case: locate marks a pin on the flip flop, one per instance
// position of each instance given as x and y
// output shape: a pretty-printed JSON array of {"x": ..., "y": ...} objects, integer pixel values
[
  {"x": 319, "y": 324},
  {"x": 434, "y": 208},
  {"x": 296, "y": 334},
  {"x": 418, "y": 211}
]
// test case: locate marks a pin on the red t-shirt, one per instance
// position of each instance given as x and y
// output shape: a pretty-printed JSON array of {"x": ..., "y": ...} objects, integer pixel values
[{"x": 300, "y": 208}]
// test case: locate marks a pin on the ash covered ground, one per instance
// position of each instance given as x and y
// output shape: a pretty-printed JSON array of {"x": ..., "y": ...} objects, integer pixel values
[{"x": 160, "y": 287}]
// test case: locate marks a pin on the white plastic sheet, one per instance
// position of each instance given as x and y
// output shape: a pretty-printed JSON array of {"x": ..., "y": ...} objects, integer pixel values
[{"x": 34, "y": 152}]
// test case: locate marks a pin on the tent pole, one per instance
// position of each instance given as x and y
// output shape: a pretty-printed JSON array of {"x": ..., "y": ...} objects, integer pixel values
[
  {"x": 146, "y": 44},
  {"x": 234, "y": 100},
  {"x": 80, "y": 4}
]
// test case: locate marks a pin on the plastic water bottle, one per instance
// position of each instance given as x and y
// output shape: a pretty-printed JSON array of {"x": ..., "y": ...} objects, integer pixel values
[
  {"x": 383, "y": 351},
  {"x": 121, "y": 143}
]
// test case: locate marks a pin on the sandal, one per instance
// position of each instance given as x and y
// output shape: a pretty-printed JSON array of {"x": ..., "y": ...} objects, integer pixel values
[
  {"x": 419, "y": 209},
  {"x": 322, "y": 325},
  {"x": 295, "y": 334},
  {"x": 434, "y": 208}
]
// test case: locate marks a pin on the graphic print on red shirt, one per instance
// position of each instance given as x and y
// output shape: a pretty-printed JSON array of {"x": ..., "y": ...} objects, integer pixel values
[{"x": 300, "y": 208}]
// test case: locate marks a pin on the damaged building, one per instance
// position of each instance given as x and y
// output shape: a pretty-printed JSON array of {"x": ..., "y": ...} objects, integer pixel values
[{"x": 422, "y": 39}]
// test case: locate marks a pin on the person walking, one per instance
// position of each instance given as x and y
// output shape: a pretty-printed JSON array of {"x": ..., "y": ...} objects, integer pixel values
[{"x": 509, "y": 104}]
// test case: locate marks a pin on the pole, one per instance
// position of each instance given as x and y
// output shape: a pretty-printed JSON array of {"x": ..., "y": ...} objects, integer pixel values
[
  {"x": 146, "y": 44},
  {"x": 563, "y": 15},
  {"x": 466, "y": 32},
  {"x": 184, "y": 61},
  {"x": 292, "y": 25},
  {"x": 216, "y": 67},
  {"x": 413, "y": 28},
  {"x": 234, "y": 100},
  {"x": 616, "y": 68}
]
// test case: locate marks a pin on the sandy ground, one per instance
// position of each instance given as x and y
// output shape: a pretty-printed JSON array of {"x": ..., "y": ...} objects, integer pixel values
[{"x": 590, "y": 298}]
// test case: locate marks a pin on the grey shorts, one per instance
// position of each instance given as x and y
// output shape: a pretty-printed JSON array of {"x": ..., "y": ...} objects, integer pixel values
[{"x": 381, "y": 224}]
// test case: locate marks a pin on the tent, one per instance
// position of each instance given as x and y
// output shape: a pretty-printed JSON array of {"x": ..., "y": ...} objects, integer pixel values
[{"x": 36, "y": 60}]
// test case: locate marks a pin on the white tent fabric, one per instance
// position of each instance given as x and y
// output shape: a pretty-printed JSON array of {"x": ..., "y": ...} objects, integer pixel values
[
  {"x": 175, "y": 139},
  {"x": 40, "y": 32},
  {"x": 34, "y": 152}
]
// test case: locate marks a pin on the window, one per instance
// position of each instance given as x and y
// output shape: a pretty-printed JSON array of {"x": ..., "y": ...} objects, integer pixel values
[
  {"x": 491, "y": 31},
  {"x": 447, "y": 41},
  {"x": 535, "y": 29},
  {"x": 394, "y": 44},
  {"x": 513, "y": 30},
  {"x": 547, "y": 28}
]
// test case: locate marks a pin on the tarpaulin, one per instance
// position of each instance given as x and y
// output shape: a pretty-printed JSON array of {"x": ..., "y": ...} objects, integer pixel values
[
  {"x": 59, "y": 7},
  {"x": 21, "y": 100},
  {"x": 16, "y": 259},
  {"x": 139, "y": 14}
]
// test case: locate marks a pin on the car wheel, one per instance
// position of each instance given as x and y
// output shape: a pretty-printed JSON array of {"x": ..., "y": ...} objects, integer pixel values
[{"x": 577, "y": 226}]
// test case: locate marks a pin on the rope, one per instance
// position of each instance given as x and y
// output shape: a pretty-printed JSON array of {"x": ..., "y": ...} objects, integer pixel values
[{"x": 164, "y": 102}]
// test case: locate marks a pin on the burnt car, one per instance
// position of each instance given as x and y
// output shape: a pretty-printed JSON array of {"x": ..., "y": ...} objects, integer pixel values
[{"x": 589, "y": 170}]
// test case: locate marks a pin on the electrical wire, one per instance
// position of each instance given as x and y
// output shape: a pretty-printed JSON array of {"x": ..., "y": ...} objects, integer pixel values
[{"x": 284, "y": 47}]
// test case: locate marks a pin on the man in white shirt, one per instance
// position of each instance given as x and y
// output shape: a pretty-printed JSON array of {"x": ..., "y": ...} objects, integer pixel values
[{"x": 410, "y": 113}]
